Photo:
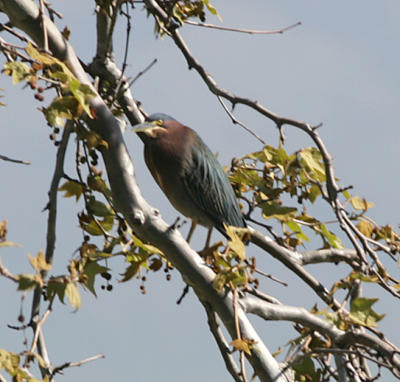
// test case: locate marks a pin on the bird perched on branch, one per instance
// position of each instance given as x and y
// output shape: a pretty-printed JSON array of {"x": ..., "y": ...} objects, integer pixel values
[{"x": 188, "y": 173}]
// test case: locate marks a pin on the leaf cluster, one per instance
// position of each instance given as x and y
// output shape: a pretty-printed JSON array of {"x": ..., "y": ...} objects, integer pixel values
[{"x": 182, "y": 10}]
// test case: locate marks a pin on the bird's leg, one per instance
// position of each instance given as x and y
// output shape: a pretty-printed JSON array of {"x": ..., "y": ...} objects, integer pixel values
[
  {"x": 184, "y": 293},
  {"x": 192, "y": 228},
  {"x": 208, "y": 239}
]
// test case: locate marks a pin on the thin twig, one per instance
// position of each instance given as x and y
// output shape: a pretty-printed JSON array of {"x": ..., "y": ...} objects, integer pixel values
[
  {"x": 6, "y": 273},
  {"x": 273, "y": 278},
  {"x": 124, "y": 62},
  {"x": 7, "y": 27},
  {"x": 112, "y": 26},
  {"x": 59, "y": 369},
  {"x": 237, "y": 122},
  {"x": 238, "y": 333},
  {"x": 248, "y": 31},
  {"x": 38, "y": 328},
  {"x": 147, "y": 68},
  {"x": 8, "y": 159},
  {"x": 50, "y": 242}
]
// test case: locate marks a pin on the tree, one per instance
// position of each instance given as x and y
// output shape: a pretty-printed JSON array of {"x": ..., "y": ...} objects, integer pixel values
[{"x": 336, "y": 339}]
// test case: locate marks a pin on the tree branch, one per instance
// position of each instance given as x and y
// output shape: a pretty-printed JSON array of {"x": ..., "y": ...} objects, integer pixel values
[
  {"x": 240, "y": 30},
  {"x": 342, "y": 338},
  {"x": 3, "y": 157},
  {"x": 59, "y": 369},
  {"x": 222, "y": 344}
]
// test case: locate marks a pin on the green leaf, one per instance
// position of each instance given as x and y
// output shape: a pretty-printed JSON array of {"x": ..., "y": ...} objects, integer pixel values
[
  {"x": 82, "y": 93},
  {"x": 346, "y": 194},
  {"x": 295, "y": 227},
  {"x": 43, "y": 58},
  {"x": 28, "y": 282},
  {"x": 71, "y": 188},
  {"x": 220, "y": 281},
  {"x": 363, "y": 277},
  {"x": 73, "y": 295},
  {"x": 148, "y": 248},
  {"x": 19, "y": 71},
  {"x": 333, "y": 240},
  {"x": 56, "y": 286},
  {"x": 362, "y": 313},
  {"x": 312, "y": 160},
  {"x": 93, "y": 228},
  {"x": 274, "y": 210},
  {"x": 314, "y": 192},
  {"x": 92, "y": 268},
  {"x": 131, "y": 271},
  {"x": 62, "y": 108},
  {"x": 98, "y": 208},
  {"x": 96, "y": 183},
  {"x": 211, "y": 9},
  {"x": 305, "y": 371}
]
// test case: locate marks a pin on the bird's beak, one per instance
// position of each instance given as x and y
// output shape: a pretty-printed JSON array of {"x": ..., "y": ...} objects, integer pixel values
[{"x": 144, "y": 127}]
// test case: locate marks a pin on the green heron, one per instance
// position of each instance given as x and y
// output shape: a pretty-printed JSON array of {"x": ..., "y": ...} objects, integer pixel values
[{"x": 188, "y": 173}]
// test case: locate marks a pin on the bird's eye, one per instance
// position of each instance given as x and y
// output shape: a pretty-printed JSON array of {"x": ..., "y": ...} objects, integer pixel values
[{"x": 159, "y": 122}]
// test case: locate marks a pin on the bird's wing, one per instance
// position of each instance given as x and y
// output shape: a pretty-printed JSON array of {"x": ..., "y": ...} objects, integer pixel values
[{"x": 210, "y": 189}]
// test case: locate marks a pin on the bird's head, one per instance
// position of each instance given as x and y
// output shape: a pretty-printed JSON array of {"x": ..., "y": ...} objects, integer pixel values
[{"x": 155, "y": 125}]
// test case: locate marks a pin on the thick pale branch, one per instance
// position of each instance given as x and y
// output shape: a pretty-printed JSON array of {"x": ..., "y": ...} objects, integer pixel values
[
  {"x": 293, "y": 261},
  {"x": 300, "y": 315},
  {"x": 331, "y": 255}
]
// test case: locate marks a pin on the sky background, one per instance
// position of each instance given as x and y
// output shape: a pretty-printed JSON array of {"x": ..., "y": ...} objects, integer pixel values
[{"x": 340, "y": 67}]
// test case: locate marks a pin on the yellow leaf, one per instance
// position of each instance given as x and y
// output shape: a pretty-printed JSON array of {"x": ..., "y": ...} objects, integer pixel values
[
  {"x": 73, "y": 295},
  {"x": 241, "y": 345},
  {"x": 71, "y": 188},
  {"x": 9, "y": 244},
  {"x": 235, "y": 243},
  {"x": 360, "y": 204},
  {"x": 40, "y": 57},
  {"x": 39, "y": 262},
  {"x": 365, "y": 227}
]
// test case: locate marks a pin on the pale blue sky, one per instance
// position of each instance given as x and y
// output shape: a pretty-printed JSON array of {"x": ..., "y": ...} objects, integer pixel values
[{"x": 341, "y": 67}]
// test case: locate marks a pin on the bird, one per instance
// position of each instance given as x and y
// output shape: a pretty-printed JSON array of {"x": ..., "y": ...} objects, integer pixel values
[{"x": 189, "y": 174}]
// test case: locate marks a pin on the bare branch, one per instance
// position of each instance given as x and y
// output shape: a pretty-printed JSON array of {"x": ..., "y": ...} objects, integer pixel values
[
  {"x": 300, "y": 315},
  {"x": 41, "y": 15},
  {"x": 293, "y": 261},
  {"x": 5, "y": 158},
  {"x": 236, "y": 121},
  {"x": 222, "y": 343},
  {"x": 240, "y": 30},
  {"x": 6, "y": 273},
  {"x": 59, "y": 369},
  {"x": 331, "y": 255},
  {"x": 146, "y": 69},
  {"x": 38, "y": 328}
]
